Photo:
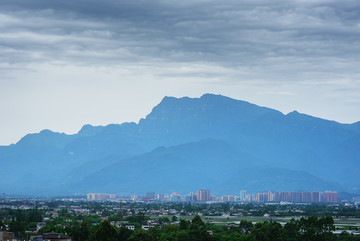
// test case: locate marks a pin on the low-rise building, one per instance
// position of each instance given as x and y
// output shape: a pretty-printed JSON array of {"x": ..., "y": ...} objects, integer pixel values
[
  {"x": 40, "y": 225},
  {"x": 50, "y": 237},
  {"x": 130, "y": 227},
  {"x": 6, "y": 236}
]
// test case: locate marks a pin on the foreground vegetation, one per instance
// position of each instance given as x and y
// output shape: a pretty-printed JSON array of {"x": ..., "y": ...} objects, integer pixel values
[
  {"x": 102, "y": 221},
  {"x": 311, "y": 228}
]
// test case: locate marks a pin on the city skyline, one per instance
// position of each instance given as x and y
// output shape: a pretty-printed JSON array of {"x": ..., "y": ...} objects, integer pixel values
[{"x": 204, "y": 195}]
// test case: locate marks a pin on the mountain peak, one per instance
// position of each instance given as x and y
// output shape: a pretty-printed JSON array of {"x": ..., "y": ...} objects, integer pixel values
[
  {"x": 210, "y": 95},
  {"x": 89, "y": 130},
  {"x": 85, "y": 128},
  {"x": 295, "y": 112},
  {"x": 208, "y": 113},
  {"x": 168, "y": 98},
  {"x": 206, "y": 96},
  {"x": 46, "y": 131},
  {"x": 204, "y": 99}
]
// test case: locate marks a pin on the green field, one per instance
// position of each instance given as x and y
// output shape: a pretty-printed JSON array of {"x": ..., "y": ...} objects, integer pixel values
[{"x": 340, "y": 223}]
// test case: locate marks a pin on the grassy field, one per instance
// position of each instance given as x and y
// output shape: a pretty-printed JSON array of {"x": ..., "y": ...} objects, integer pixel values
[{"x": 340, "y": 223}]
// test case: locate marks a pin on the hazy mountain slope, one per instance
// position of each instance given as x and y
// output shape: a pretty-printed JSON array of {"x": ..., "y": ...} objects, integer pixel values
[
  {"x": 277, "y": 179},
  {"x": 209, "y": 164},
  {"x": 295, "y": 141},
  {"x": 49, "y": 157},
  {"x": 301, "y": 142},
  {"x": 183, "y": 166}
]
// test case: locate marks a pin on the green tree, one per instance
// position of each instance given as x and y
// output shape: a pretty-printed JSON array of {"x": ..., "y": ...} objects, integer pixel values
[
  {"x": 291, "y": 230},
  {"x": 245, "y": 226},
  {"x": 17, "y": 227},
  {"x": 155, "y": 232},
  {"x": 182, "y": 235},
  {"x": 197, "y": 222},
  {"x": 164, "y": 220},
  {"x": 141, "y": 235},
  {"x": 82, "y": 231},
  {"x": 2, "y": 225},
  {"x": 261, "y": 232},
  {"x": 313, "y": 228},
  {"x": 184, "y": 225},
  {"x": 124, "y": 234},
  {"x": 197, "y": 230},
  {"x": 105, "y": 232}
]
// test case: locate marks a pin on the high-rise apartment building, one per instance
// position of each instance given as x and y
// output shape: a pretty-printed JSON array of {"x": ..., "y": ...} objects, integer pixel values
[
  {"x": 306, "y": 197},
  {"x": 160, "y": 196},
  {"x": 282, "y": 197},
  {"x": 243, "y": 196},
  {"x": 315, "y": 197},
  {"x": 150, "y": 195},
  {"x": 203, "y": 195},
  {"x": 191, "y": 197},
  {"x": 330, "y": 197},
  {"x": 262, "y": 197},
  {"x": 295, "y": 197},
  {"x": 228, "y": 198},
  {"x": 99, "y": 196}
]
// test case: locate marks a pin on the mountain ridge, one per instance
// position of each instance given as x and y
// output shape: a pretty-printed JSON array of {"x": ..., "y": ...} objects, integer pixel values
[
  {"x": 86, "y": 128},
  {"x": 327, "y": 151}
]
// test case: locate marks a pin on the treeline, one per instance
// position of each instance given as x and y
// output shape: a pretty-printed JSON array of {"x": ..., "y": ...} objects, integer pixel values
[
  {"x": 304, "y": 229},
  {"x": 17, "y": 221},
  {"x": 91, "y": 228}
]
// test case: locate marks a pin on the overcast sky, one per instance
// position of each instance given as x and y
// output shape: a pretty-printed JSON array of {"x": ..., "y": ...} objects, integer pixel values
[{"x": 67, "y": 63}]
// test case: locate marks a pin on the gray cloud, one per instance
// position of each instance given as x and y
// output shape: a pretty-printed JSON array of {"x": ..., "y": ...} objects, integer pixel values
[
  {"x": 227, "y": 33},
  {"x": 280, "y": 46}
]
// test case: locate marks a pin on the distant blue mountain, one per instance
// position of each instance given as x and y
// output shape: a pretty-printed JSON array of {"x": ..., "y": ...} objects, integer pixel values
[
  {"x": 186, "y": 143},
  {"x": 209, "y": 164}
]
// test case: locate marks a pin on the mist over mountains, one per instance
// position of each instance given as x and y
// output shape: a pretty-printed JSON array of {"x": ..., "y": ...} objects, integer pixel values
[{"x": 185, "y": 144}]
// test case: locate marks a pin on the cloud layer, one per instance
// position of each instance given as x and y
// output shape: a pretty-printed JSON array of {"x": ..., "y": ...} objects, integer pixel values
[{"x": 273, "y": 48}]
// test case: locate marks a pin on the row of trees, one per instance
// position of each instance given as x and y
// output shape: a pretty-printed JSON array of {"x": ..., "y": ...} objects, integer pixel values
[
  {"x": 304, "y": 229},
  {"x": 83, "y": 228},
  {"x": 185, "y": 231},
  {"x": 18, "y": 221}
]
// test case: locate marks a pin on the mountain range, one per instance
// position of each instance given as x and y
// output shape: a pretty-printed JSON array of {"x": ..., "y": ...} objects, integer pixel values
[{"x": 185, "y": 144}]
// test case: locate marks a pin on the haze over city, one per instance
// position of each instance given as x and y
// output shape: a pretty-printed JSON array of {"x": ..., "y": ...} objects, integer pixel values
[{"x": 64, "y": 64}]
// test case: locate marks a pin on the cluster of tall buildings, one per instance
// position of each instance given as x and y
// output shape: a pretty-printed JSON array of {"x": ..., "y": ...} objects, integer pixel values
[
  {"x": 100, "y": 196},
  {"x": 294, "y": 197},
  {"x": 199, "y": 196},
  {"x": 175, "y": 196},
  {"x": 204, "y": 195}
]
